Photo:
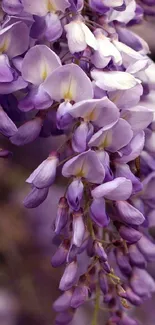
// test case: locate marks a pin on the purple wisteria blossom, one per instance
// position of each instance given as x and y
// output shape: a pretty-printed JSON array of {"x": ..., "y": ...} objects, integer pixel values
[{"x": 73, "y": 67}]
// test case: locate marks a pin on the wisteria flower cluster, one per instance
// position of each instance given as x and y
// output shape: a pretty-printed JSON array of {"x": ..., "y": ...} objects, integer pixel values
[{"x": 74, "y": 67}]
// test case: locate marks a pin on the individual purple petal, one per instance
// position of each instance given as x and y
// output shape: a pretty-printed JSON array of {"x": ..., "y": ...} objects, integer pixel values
[
  {"x": 105, "y": 161},
  {"x": 16, "y": 37},
  {"x": 60, "y": 256},
  {"x": 103, "y": 282},
  {"x": 34, "y": 9},
  {"x": 39, "y": 62},
  {"x": 98, "y": 213},
  {"x": 11, "y": 87},
  {"x": 147, "y": 248},
  {"x": 62, "y": 215},
  {"x": 69, "y": 82},
  {"x": 132, "y": 297},
  {"x": 80, "y": 296},
  {"x": 124, "y": 99},
  {"x": 99, "y": 251},
  {"x": 63, "y": 302},
  {"x": 35, "y": 197},
  {"x": 136, "y": 145},
  {"x": 64, "y": 318},
  {"x": 129, "y": 234},
  {"x": 45, "y": 173},
  {"x": 123, "y": 170},
  {"x": 113, "y": 139},
  {"x": 101, "y": 112},
  {"x": 117, "y": 189},
  {"x": 113, "y": 80},
  {"x": 105, "y": 266},
  {"x": 7, "y": 127},
  {"x": 63, "y": 117},
  {"x": 81, "y": 136},
  {"x": 53, "y": 27},
  {"x": 74, "y": 194},
  {"x": 138, "y": 117},
  {"x": 76, "y": 5},
  {"x": 37, "y": 98},
  {"x": 136, "y": 258},
  {"x": 122, "y": 260},
  {"x": 69, "y": 276},
  {"x": 12, "y": 7},
  {"x": 129, "y": 214},
  {"x": 27, "y": 132},
  {"x": 4, "y": 153},
  {"x": 142, "y": 283},
  {"x": 129, "y": 38},
  {"x": 6, "y": 72},
  {"x": 85, "y": 165},
  {"x": 127, "y": 320},
  {"x": 78, "y": 228}
]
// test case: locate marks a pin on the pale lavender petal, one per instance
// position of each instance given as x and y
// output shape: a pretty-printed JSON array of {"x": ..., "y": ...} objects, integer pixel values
[
  {"x": 114, "y": 80},
  {"x": 27, "y": 132},
  {"x": 35, "y": 197},
  {"x": 39, "y": 62},
  {"x": 101, "y": 112},
  {"x": 138, "y": 117},
  {"x": 16, "y": 37},
  {"x": 105, "y": 161},
  {"x": 64, "y": 318},
  {"x": 45, "y": 174},
  {"x": 34, "y": 9},
  {"x": 129, "y": 214},
  {"x": 124, "y": 99},
  {"x": 85, "y": 165},
  {"x": 69, "y": 82},
  {"x": 115, "y": 138},
  {"x": 78, "y": 228},
  {"x": 136, "y": 146},
  {"x": 118, "y": 189}
]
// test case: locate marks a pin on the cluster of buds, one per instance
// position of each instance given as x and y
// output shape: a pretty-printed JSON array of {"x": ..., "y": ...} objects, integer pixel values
[{"x": 73, "y": 67}]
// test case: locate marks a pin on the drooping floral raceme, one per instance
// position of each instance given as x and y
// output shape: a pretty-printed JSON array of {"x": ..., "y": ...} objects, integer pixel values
[{"x": 73, "y": 67}]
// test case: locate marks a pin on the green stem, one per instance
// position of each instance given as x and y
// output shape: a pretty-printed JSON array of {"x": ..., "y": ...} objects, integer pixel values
[{"x": 97, "y": 306}]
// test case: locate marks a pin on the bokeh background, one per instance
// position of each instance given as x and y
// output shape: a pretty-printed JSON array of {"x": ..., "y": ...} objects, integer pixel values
[{"x": 28, "y": 283}]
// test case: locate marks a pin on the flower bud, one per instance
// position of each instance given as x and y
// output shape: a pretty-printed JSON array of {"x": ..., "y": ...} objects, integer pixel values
[
  {"x": 60, "y": 255},
  {"x": 45, "y": 173},
  {"x": 35, "y": 197},
  {"x": 129, "y": 234},
  {"x": 78, "y": 228},
  {"x": 99, "y": 251},
  {"x": 62, "y": 215},
  {"x": 123, "y": 261},
  {"x": 63, "y": 302},
  {"x": 80, "y": 295},
  {"x": 69, "y": 277},
  {"x": 129, "y": 214},
  {"x": 74, "y": 194},
  {"x": 103, "y": 282}
]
